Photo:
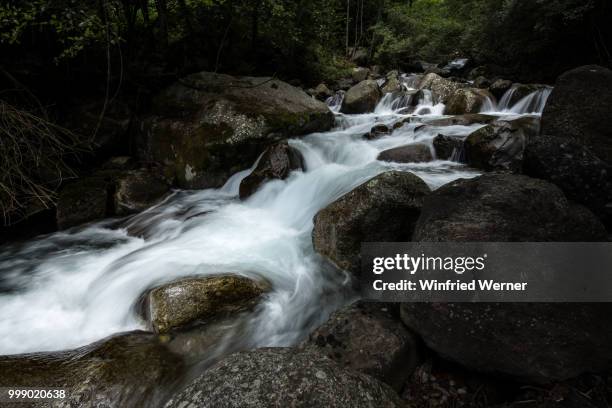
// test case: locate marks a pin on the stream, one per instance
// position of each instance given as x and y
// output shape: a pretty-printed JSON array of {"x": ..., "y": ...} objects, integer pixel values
[{"x": 74, "y": 287}]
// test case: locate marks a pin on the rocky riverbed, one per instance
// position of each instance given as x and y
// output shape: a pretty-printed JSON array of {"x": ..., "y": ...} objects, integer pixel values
[{"x": 216, "y": 266}]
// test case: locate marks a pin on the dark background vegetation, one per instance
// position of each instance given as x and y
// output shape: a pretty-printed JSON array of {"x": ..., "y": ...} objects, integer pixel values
[{"x": 58, "y": 55}]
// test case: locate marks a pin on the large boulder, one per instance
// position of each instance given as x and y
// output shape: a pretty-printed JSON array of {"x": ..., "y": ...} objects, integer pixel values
[
  {"x": 580, "y": 107},
  {"x": 441, "y": 88},
  {"x": 384, "y": 208},
  {"x": 467, "y": 100},
  {"x": 283, "y": 377},
  {"x": 413, "y": 153},
  {"x": 500, "y": 144},
  {"x": 129, "y": 370},
  {"x": 368, "y": 337},
  {"x": 277, "y": 162},
  {"x": 535, "y": 342},
  {"x": 499, "y": 207},
  {"x": 361, "y": 98},
  {"x": 207, "y": 126},
  {"x": 190, "y": 301},
  {"x": 583, "y": 177}
]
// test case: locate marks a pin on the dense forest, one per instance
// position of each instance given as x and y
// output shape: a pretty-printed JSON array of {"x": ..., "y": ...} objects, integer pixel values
[{"x": 58, "y": 56}]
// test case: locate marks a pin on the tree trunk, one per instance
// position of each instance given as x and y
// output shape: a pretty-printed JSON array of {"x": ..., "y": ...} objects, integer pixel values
[{"x": 348, "y": 9}]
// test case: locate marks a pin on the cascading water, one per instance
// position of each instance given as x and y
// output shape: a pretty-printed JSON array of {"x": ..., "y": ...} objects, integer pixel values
[
  {"x": 73, "y": 287},
  {"x": 531, "y": 104},
  {"x": 335, "y": 102}
]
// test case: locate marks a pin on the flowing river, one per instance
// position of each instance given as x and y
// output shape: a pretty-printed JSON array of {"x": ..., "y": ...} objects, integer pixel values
[{"x": 73, "y": 287}]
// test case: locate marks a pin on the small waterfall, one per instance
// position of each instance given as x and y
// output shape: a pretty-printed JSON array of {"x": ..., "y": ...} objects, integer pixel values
[
  {"x": 488, "y": 105},
  {"x": 335, "y": 102},
  {"x": 410, "y": 81},
  {"x": 504, "y": 102},
  {"x": 458, "y": 155},
  {"x": 532, "y": 103}
]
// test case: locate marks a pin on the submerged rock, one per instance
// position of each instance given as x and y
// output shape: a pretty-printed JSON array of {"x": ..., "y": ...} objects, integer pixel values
[
  {"x": 367, "y": 337},
  {"x": 504, "y": 207},
  {"x": 283, "y": 377},
  {"x": 580, "y": 107},
  {"x": 361, "y": 98},
  {"x": 500, "y": 144},
  {"x": 195, "y": 300},
  {"x": 208, "y": 126},
  {"x": 377, "y": 131},
  {"x": 127, "y": 370},
  {"x": 448, "y": 147},
  {"x": 463, "y": 120},
  {"x": 413, "y": 153},
  {"x": 384, "y": 208},
  {"x": 277, "y": 162},
  {"x": 467, "y": 100}
]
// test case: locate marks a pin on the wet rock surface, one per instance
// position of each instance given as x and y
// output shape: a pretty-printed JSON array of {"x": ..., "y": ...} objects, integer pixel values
[
  {"x": 133, "y": 369},
  {"x": 137, "y": 190},
  {"x": 464, "y": 120},
  {"x": 467, "y": 100},
  {"x": 191, "y": 301},
  {"x": 500, "y": 145},
  {"x": 383, "y": 209},
  {"x": 414, "y": 153},
  {"x": 283, "y": 377},
  {"x": 441, "y": 88},
  {"x": 277, "y": 162},
  {"x": 448, "y": 147},
  {"x": 369, "y": 338}
]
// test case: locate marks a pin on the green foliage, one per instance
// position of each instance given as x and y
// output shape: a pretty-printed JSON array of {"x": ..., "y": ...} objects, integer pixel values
[{"x": 75, "y": 24}]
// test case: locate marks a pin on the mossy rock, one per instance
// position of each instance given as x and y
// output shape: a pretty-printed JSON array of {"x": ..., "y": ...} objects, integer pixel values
[
  {"x": 190, "y": 301},
  {"x": 133, "y": 369},
  {"x": 208, "y": 126}
]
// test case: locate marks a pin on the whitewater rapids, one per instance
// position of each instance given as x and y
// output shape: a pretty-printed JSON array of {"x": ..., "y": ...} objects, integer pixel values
[{"x": 74, "y": 287}]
